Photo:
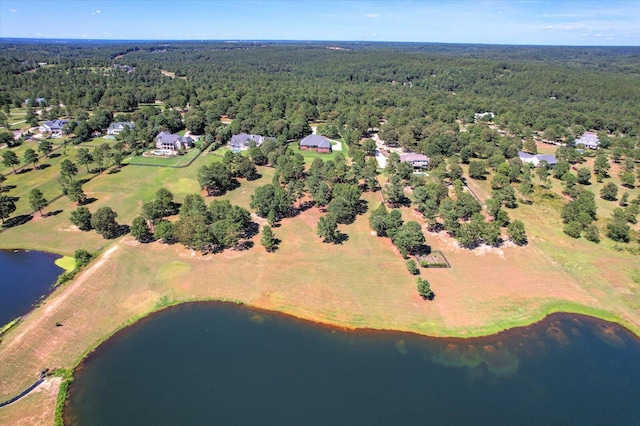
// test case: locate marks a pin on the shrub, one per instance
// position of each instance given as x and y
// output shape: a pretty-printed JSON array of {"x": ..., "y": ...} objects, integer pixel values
[
  {"x": 591, "y": 233},
  {"x": 424, "y": 289},
  {"x": 573, "y": 229},
  {"x": 412, "y": 267}
]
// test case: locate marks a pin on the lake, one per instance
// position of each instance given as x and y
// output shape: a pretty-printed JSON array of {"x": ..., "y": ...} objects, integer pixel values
[
  {"x": 224, "y": 364},
  {"x": 25, "y": 276}
]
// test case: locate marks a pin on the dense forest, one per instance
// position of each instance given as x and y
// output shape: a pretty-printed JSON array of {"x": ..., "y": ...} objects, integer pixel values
[
  {"x": 422, "y": 92},
  {"x": 469, "y": 105}
]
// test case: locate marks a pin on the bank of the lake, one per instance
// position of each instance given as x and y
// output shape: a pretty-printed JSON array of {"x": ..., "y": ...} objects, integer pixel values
[
  {"x": 26, "y": 277},
  {"x": 129, "y": 281},
  {"x": 225, "y": 363}
]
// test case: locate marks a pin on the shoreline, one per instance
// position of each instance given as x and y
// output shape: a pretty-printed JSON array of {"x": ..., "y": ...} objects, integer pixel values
[
  {"x": 501, "y": 334},
  {"x": 318, "y": 318},
  {"x": 148, "y": 300}
]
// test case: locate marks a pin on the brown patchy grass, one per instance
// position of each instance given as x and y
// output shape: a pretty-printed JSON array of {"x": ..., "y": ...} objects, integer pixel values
[
  {"x": 360, "y": 283},
  {"x": 37, "y": 408}
]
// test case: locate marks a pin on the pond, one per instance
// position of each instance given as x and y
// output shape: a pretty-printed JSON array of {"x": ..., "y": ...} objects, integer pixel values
[
  {"x": 228, "y": 364},
  {"x": 25, "y": 277}
]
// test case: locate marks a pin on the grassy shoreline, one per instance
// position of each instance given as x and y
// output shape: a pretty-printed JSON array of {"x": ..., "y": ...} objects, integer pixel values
[{"x": 550, "y": 309}]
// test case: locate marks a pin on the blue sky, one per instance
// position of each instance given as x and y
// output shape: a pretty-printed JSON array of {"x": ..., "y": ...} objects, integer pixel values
[{"x": 450, "y": 21}]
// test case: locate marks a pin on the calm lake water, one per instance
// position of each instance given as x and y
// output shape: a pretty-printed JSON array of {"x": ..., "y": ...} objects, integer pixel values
[
  {"x": 25, "y": 276},
  {"x": 221, "y": 364}
]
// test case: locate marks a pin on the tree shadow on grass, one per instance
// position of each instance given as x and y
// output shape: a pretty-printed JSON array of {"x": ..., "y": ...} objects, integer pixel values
[
  {"x": 17, "y": 220},
  {"x": 53, "y": 213},
  {"x": 7, "y": 188},
  {"x": 251, "y": 230},
  {"x": 44, "y": 166},
  {"x": 123, "y": 230},
  {"x": 341, "y": 238},
  {"x": 89, "y": 200},
  {"x": 276, "y": 245},
  {"x": 55, "y": 155}
]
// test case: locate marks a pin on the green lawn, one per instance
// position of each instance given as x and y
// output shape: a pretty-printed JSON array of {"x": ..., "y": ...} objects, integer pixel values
[
  {"x": 309, "y": 156},
  {"x": 172, "y": 161}
]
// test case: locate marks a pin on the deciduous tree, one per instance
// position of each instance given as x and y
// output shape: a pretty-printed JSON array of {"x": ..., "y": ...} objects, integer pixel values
[
  {"x": 104, "y": 222},
  {"x": 517, "y": 233},
  {"x": 140, "y": 230},
  {"x": 328, "y": 228},
  {"x": 81, "y": 217}
]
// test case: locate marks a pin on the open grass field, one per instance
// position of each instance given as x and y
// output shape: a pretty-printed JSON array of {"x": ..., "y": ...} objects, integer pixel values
[
  {"x": 44, "y": 178},
  {"x": 171, "y": 161},
  {"x": 309, "y": 156},
  {"x": 360, "y": 283}
]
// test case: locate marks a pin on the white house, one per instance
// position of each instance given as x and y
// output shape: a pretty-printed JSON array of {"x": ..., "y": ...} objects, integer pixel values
[
  {"x": 418, "y": 161},
  {"x": 173, "y": 142},
  {"x": 536, "y": 159},
  {"x": 117, "y": 127},
  {"x": 54, "y": 126},
  {"x": 484, "y": 115},
  {"x": 589, "y": 140},
  {"x": 242, "y": 141}
]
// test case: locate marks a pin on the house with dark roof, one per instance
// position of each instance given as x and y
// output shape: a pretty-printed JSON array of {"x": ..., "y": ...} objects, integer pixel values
[
  {"x": 537, "y": 159},
  {"x": 54, "y": 126},
  {"x": 243, "y": 141},
  {"x": 589, "y": 140},
  {"x": 173, "y": 142},
  {"x": 116, "y": 127},
  {"x": 315, "y": 143},
  {"x": 418, "y": 161}
]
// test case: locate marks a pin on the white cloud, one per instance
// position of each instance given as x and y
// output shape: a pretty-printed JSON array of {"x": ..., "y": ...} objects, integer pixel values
[
  {"x": 96, "y": 12},
  {"x": 372, "y": 15},
  {"x": 13, "y": 11}
]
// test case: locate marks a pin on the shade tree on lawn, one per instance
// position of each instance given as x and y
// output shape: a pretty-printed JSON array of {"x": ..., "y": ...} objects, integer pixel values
[
  {"x": 7, "y": 206},
  {"x": 30, "y": 157},
  {"x": 327, "y": 228},
  {"x": 140, "y": 230},
  {"x": 10, "y": 159},
  {"x": 104, "y": 222},
  {"x": 81, "y": 217},
  {"x": 37, "y": 200}
]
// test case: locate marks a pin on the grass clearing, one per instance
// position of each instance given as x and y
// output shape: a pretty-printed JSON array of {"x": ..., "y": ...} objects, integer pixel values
[
  {"x": 171, "y": 161},
  {"x": 67, "y": 263},
  {"x": 309, "y": 156}
]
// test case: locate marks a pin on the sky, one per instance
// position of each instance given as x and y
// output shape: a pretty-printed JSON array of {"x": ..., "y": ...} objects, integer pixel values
[{"x": 561, "y": 22}]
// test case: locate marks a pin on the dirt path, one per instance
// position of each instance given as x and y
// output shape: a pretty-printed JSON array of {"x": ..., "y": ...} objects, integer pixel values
[{"x": 66, "y": 293}]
